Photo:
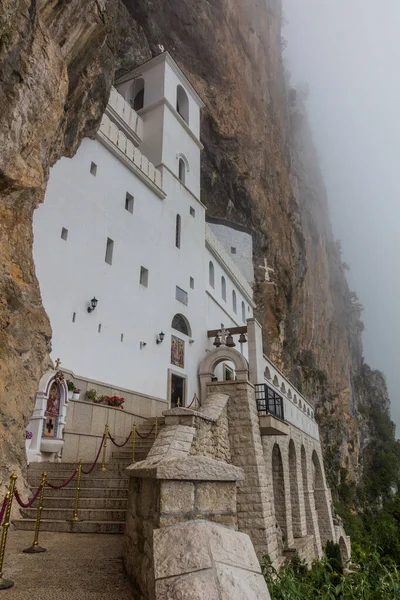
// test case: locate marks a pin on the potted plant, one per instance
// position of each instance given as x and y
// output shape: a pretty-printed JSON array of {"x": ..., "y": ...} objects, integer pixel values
[
  {"x": 71, "y": 388},
  {"x": 91, "y": 395},
  {"x": 28, "y": 437},
  {"x": 76, "y": 394},
  {"x": 114, "y": 401}
]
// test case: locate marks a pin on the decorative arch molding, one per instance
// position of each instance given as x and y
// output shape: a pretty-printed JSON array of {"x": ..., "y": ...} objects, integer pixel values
[
  {"x": 214, "y": 358},
  {"x": 181, "y": 156}
]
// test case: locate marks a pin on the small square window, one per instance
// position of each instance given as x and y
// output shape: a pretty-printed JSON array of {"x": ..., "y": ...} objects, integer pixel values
[
  {"x": 192, "y": 212},
  {"x": 144, "y": 276},
  {"x": 64, "y": 234},
  {"x": 109, "y": 251},
  {"x": 192, "y": 283},
  {"x": 93, "y": 169},
  {"x": 129, "y": 202},
  {"x": 233, "y": 250}
]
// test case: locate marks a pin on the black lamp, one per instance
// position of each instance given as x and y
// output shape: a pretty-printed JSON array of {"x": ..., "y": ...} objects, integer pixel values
[
  {"x": 93, "y": 304},
  {"x": 160, "y": 337}
]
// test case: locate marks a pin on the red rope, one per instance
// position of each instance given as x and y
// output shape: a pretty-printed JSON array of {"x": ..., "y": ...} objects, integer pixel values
[
  {"x": 145, "y": 436},
  {"x": 95, "y": 460},
  {"x": 194, "y": 398},
  {"x": 31, "y": 501},
  {"x": 3, "y": 509},
  {"x": 58, "y": 487},
  {"x": 120, "y": 445}
]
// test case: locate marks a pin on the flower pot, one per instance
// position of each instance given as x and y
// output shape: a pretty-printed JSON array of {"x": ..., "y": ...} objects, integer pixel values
[
  {"x": 76, "y": 395},
  {"x": 70, "y": 394}
]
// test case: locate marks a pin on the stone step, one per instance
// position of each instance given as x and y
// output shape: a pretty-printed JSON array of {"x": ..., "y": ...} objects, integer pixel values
[
  {"x": 85, "y": 514},
  {"x": 68, "y": 502},
  {"x": 111, "y": 470},
  {"x": 93, "y": 492},
  {"x": 86, "y": 482},
  {"x": 71, "y": 527}
]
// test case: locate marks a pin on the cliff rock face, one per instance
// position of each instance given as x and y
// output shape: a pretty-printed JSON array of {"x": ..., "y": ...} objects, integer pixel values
[
  {"x": 259, "y": 169},
  {"x": 56, "y": 69}
]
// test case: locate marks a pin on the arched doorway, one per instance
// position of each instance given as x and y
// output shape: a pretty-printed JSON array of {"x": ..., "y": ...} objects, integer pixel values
[
  {"x": 214, "y": 358},
  {"x": 294, "y": 491},
  {"x": 320, "y": 499},
  {"x": 279, "y": 496},
  {"x": 177, "y": 380},
  {"x": 309, "y": 527}
]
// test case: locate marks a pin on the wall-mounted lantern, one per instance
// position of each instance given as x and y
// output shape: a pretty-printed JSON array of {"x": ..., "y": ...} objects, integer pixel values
[
  {"x": 93, "y": 304},
  {"x": 160, "y": 338}
]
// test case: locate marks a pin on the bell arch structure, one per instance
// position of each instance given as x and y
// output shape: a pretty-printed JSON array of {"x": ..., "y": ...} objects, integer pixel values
[{"x": 214, "y": 358}]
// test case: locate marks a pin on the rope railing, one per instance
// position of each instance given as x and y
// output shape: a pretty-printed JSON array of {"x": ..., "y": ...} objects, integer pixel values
[
  {"x": 12, "y": 492},
  {"x": 194, "y": 400}
]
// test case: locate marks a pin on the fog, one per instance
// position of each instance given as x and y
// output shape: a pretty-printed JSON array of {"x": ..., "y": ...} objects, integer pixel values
[{"x": 349, "y": 53}]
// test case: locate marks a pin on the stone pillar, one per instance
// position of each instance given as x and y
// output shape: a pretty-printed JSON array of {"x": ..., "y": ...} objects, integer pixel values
[
  {"x": 255, "y": 347},
  {"x": 255, "y": 497}
]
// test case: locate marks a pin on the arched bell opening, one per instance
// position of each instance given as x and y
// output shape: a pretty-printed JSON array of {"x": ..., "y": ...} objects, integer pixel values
[{"x": 209, "y": 366}]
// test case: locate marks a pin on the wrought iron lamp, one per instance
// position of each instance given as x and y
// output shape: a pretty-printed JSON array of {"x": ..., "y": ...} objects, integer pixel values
[
  {"x": 93, "y": 304},
  {"x": 160, "y": 337}
]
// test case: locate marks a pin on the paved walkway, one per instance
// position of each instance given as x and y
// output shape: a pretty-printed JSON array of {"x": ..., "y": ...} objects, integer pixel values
[{"x": 75, "y": 567}]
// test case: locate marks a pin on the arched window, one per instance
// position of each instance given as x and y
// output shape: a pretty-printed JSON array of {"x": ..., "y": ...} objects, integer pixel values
[
  {"x": 180, "y": 323},
  {"x": 223, "y": 288},
  {"x": 138, "y": 94},
  {"x": 243, "y": 313},
  {"x": 182, "y": 103},
  {"x": 178, "y": 231},
  {"x": 234, "y": 303},
  {"x": 211, "y": 275},
  {"x": 182, "y": 170}
]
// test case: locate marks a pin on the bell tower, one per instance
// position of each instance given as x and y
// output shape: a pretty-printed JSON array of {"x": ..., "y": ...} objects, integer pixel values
[{"x": 170, "y": 107}]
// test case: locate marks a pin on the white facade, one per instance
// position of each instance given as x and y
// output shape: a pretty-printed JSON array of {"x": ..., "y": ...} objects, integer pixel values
[{"x": 123, "y": 222}]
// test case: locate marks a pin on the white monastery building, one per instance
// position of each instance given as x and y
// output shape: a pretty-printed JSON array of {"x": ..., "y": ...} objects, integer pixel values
[{"x": 150, "y": 300}]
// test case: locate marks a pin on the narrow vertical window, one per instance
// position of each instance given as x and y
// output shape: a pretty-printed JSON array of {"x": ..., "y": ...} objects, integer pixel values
[
  {"x": 178, "y": 231},
  {"x": 192, "y": 212},
  {"x": 122, "y": 337},
  {"x": 182, "y": 170},
  {"x": 144, "y": 277},
  {"x": 211, "y": 275},
  {"x": 64, "y": 234},
  {"x": 223, "y": 288},
  {"x": 109, "y": 251},
  {"x": 243, "y": 313},
  {"x": 234, "y": 303},
  {"x": 99, "y": 328},
  {"x": 73, "y": 317},
  {"x": 192, "y": 283},
  {"x": 93, "y": 169},
  {"x": 129, "y": 202}
]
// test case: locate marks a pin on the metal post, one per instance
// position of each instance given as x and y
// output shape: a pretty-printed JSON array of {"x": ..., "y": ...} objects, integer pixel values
[
  {"x": 103, "y": 462},
  {"x": 133, "y": 441},
  {"x": 35, "y": 546},
  {"x": 179, "y": 402},
  {"x": 77, "y": 488},
  {"x": 156, "y": 428},
  {"x": 6, "y": 583}
]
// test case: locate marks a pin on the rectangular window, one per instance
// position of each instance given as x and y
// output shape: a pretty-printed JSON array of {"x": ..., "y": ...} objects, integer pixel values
[
  {"x": 122, "y": 337},
  {"x": 192, "y": 212},
  {"x": 144, "y": 276},
  {"x": 64, "y": 234},
  {"x": 93, "y": 169},
  {"x": 192, "y": 283},
  {"x": 181, "y": 295},
  {"x": 99, "y": 328},
  {"x": 233, "y": 250},
  {"x": 129, "y": 202},
  {"x": 109, "y": 251},
  {"x": 73, "y": 317}
]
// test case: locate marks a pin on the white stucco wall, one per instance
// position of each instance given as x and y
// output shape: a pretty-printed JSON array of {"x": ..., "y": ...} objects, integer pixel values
[{"x": 241, "y": 241}]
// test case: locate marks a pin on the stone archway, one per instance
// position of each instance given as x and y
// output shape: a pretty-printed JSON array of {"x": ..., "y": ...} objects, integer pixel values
[
  {"x": 213, "y": 358},
  {"x": 321, "y": 502},
  {"x": 309, "y": 522},
  {"x": 294, "y": 491},
  {"x": 278, "y": 484},
  {"x": 344, "y": 550}
]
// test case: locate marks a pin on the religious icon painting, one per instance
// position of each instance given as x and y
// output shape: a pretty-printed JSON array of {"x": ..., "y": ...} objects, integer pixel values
[
  {"x": 50, "y": 424},
  {"x": 177, "y": 352}
]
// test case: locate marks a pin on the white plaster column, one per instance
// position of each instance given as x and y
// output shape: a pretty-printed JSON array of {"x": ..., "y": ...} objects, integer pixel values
[{"x": 256, "y": 362}]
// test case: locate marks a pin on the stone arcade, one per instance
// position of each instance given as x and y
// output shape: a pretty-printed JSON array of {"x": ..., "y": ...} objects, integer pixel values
[{"x": 123, "y": 223}]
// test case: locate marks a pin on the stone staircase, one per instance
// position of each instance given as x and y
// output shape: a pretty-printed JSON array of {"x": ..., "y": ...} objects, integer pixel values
[{"x": 103, "y": 495}]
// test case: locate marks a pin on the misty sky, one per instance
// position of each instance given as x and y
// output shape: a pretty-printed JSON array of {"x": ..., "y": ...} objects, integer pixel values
[{"x": 349, "y": 53}]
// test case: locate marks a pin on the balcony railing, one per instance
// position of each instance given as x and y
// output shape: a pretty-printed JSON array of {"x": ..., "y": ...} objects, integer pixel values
[
  {"x": 125, "y": 112},
  {"x": 269, "y": 402}
]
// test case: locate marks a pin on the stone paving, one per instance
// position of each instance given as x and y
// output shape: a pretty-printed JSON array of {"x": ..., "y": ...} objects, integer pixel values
[{"x": 75, "y": 567}]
